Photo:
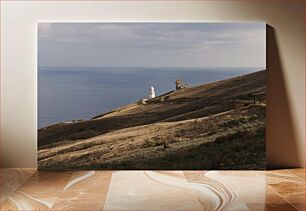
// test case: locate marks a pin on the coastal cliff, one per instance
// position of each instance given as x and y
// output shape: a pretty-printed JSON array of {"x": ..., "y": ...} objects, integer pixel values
[{"x": 218, "y": 125}]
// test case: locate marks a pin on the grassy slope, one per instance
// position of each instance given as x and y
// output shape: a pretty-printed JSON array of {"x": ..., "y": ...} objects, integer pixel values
[{"x": 197, "y": 127}]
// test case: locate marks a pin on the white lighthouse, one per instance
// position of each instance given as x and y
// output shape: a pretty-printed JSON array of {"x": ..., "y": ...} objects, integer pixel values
[{"x": 151, "y": 92}]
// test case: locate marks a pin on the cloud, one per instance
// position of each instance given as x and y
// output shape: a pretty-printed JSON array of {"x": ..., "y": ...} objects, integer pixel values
[{"x": 120, "y": 39}]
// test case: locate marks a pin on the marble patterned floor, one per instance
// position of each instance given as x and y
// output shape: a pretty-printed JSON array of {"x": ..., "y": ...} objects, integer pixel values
[{"x": 28, "y": 189}]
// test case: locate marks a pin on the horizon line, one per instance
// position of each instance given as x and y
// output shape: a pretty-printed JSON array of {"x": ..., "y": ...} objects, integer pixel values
[{"x": 120, "y": 66}]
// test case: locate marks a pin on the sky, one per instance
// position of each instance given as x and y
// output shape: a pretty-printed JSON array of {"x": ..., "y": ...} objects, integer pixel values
[{"x": 152, "y": 44}]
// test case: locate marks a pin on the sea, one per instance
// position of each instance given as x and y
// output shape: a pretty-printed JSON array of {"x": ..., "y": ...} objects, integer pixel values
[{"x": 73, "y": 93}]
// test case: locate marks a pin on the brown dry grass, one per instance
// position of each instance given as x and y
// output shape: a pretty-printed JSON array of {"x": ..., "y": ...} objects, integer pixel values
[{"x": 173, "y": 133}]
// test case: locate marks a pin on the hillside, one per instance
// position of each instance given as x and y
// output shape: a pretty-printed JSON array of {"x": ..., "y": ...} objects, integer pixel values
[{"x": 211, "y": 126}]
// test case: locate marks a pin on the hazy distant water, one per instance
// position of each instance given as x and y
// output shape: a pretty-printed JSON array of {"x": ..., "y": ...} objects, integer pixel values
[{"x": 66, "y": 94}]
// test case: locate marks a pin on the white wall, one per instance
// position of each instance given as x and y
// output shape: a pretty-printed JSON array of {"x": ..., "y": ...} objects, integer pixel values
[{"x": 285, "y": 142}]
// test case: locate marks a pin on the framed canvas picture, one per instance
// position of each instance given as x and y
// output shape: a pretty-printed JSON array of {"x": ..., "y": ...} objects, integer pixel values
[{"x": 163, "y": 95}]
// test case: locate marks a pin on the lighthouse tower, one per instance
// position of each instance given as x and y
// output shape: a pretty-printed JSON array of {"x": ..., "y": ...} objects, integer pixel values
[{"x": 151, "y": 92}]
